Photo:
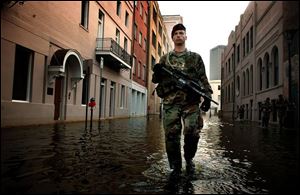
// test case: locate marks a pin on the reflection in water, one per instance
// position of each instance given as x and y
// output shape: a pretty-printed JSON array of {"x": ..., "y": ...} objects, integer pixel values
[{"x": 128, "y": 156}]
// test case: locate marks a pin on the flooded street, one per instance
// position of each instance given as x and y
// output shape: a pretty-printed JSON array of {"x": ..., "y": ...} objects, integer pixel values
[{"x": 128, "y": 156}]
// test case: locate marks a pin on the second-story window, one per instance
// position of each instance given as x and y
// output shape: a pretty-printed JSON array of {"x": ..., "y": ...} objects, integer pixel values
[
  {"x": 126, "y": 18},
  {"x": 119, "y": 8},
  {"x": 125, "y": 44},
  {"x": 140, "y": 38},
  {"x": 153, "y": 40},
  {"x": 118, "y": 36},
  {"x": 84, "y": 14}
]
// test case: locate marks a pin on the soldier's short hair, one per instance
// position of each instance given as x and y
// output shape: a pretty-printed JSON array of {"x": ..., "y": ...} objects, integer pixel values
[{"x": 178, "y": 26}]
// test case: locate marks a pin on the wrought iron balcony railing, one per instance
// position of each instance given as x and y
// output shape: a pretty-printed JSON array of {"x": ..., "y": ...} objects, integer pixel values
[{"x": 108, "y": 45}]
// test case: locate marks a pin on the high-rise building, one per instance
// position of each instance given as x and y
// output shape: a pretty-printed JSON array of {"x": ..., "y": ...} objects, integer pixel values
[{"x": 215, "y": 62}]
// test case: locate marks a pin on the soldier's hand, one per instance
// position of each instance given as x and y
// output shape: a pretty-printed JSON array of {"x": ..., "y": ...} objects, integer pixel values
[
  {"x": 157, "y": 73},
  {"x": 205, "y": 105}
]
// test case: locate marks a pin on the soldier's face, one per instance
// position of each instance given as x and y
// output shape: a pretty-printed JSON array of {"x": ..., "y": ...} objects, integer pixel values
[{"x": 179, "y": 37}]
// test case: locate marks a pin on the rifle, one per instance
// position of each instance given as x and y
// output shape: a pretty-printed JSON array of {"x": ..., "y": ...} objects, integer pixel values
[{"x": 184, "y": 82}]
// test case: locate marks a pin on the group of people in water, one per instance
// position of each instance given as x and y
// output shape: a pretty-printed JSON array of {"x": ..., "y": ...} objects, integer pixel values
[{"x": 281, "y": 106}]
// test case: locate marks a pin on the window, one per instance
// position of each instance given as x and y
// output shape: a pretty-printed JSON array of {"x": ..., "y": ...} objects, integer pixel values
[
  {"x": 247, "y": 42},
  {"x": 125, "y": 44},
  {"x": 159, "y": 49},
  {"x": 251, "y": 79},
  {"x": 22, "y": 74},
  {"x": 153, "y": 40},
  {"x": 134, "y": 30},
  {"x": 141, "y": 9},
  {"x": 100, "y": 24},
  {"x": 140, "y": 38},
  {"x": 122, "y": 98},
  {"x": 145, "y": 44},
  {"x": 259, "y": 64},
  {"x": 145, "y": 18},
  {"x": 133, "y": 64},
  {"x": 244, "y": 48},
  {"x": 84, "y": 13},
  {"x": 126, "y": 18},
  {"x": 139, "y": 70},
  {"x": 268, "y": 69},
  {"x": 159, "y": 29},
  {"x": 238, "y": 85},
  {"x": 118, "y": 36},
  {"x": 118, "y": 8},
  {"x": 251, "y": 37},
  {"x": 153, "y": 61},
  {"x": 238, "y": 53},
  {"x": 276, "y": 65},
  {"x": 144, "y": 72},
  {"x": 154, "y": 16},
  {"x": 244, "y": 83}
]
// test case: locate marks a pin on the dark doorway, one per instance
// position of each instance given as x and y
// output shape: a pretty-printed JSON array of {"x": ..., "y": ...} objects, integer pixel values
[{"x": 57, "y": 97}]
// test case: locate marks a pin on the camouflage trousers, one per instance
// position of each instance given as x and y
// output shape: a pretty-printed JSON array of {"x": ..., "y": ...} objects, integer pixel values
[{"x": 174, "y": 116}]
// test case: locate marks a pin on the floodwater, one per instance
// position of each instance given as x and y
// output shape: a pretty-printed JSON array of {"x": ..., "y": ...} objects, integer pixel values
[{"x": 128, "y": 156}]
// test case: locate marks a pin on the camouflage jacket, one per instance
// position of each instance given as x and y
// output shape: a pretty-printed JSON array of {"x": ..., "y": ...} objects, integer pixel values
[{"x": 192, "y": 64}]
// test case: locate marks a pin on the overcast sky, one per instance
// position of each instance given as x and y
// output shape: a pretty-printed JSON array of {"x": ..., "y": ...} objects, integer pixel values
[{"x": 208, "y": 23}]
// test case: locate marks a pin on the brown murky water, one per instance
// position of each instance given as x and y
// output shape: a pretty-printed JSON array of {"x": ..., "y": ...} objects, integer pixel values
[{"x": 128, "y": 156}]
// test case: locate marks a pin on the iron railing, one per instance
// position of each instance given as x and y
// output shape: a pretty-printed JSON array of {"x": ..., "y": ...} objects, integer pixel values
[{"x": 108, "y": 44}]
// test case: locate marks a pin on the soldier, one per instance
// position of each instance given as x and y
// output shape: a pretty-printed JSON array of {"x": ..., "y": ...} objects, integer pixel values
[
  {"x": 281, "y": 105},
  {"x": 179, "y": 104},
  {"x": 266, "y": 110}
]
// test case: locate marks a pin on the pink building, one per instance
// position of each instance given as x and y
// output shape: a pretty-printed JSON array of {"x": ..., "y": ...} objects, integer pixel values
[{"x": 52, "y": 54}]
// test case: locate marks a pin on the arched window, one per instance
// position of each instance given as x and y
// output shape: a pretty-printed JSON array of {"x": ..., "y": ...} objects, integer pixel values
[
  {"x": 260, "y": 73},
  {"x": 267, "y": 68},
  {"x": 244, "y": 83},
  {"x": 275, "y": 62},
  {"x": 251, "y": 79},
  {"x": 229, "y": 94},
  {"x": 247, "y": 81},
  {"x": 238, "y": 85}
]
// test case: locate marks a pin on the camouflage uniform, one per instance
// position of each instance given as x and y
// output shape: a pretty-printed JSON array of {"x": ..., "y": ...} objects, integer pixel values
[{"x": 178, "y": 104}]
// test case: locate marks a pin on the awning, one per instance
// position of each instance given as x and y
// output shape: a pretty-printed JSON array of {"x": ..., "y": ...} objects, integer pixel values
[{"x": 62, "y": 58}]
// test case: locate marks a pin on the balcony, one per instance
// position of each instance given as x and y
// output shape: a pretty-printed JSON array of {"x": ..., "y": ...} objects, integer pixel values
[{"x": 114, "y": 55}]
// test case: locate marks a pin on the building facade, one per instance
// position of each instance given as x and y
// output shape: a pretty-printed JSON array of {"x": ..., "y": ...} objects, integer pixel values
[
  {"x": 139, "y": 59},
  {"x": 159, "y": 44},
  {"x": 55, "y": 56},
  {"x": 255, "y": 62}
]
